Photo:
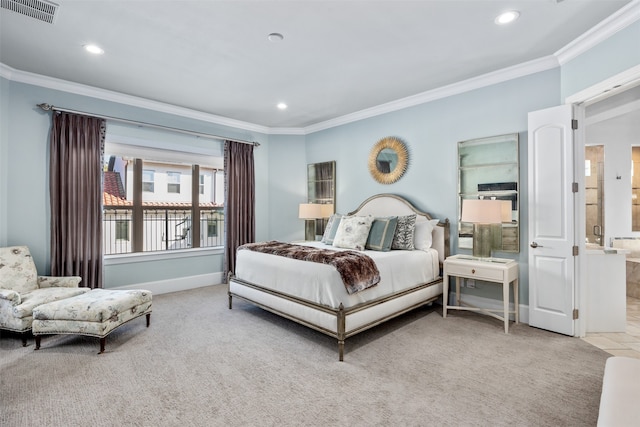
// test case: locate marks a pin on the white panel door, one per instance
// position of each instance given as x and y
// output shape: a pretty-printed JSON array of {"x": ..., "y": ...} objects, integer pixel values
[{"x": 551, "y": 220}]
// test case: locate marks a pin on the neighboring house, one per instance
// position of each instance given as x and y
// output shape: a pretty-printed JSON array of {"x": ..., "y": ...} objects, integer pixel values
[{"x": 166, "y": 207}]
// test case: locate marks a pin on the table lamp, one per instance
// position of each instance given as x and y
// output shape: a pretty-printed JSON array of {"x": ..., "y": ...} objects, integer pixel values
[
  {"x": 482, "y": 213},
  {"x": 310, "y": 212}
]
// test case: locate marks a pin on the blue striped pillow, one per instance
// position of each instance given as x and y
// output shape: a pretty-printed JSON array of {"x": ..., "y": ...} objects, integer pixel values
[
  {"x": 381, "y": 234},
  {"x": 331, "y": 229}
]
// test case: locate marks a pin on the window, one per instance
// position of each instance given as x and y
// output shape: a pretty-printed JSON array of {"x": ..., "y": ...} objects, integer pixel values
[
  {"x": 212, "y": 228},
  {"x": 122, "y": 229},
  {"x": 147, "y": 180},
  {"x": 173, "y": 182},
  {"x": 162, "y": 217}
]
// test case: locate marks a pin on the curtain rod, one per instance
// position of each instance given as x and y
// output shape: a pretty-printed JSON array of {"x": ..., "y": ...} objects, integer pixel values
[{"x": 49, "y": 107}]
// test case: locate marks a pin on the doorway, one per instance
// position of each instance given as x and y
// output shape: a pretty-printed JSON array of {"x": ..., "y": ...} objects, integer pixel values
[
  {"x": 610, "y": 137},
  {"x": 611, "y": 133},
  {"x": 603, "y": 103}
]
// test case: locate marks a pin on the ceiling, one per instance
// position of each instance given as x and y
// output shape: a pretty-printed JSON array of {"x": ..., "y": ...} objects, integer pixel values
[{"x": 336, "y": 58}]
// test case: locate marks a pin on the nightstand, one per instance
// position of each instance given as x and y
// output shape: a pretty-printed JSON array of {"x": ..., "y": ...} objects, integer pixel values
[{"x": 492, "y": 270}]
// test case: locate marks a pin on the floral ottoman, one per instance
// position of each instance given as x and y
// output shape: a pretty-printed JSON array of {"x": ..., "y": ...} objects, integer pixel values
[{"x": 95, "y": 313}]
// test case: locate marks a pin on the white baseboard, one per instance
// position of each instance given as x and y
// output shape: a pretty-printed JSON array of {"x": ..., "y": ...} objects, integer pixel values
[
  {"x": 177, "y": 284},
  {"x": 493, "y": 304},
  {"x": 199, "y": 281}
]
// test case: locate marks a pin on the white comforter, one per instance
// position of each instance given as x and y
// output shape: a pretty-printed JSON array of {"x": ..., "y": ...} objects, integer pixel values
[{"x": 321, "y": 283}]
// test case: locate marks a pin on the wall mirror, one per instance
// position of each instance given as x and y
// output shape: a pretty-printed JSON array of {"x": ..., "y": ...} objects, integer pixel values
[
  {"x": 388, "y": 160},
  {"x": 488, "y": 168},
  {"x": 594, "y": 193},
  {"x": 321, "y": 188}
]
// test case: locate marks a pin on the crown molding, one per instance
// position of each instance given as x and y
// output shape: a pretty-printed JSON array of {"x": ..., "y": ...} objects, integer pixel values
[
  {"x": 121, "y": 98},
  {"x": 624, "y": 17},
  {"x": 6, "y": 72},
  {"x": 484, "y": 80},
  {"x": 606, "y": 88},
  {"x": 287, "y": 131},
  {"x": 520, "y": 70}
]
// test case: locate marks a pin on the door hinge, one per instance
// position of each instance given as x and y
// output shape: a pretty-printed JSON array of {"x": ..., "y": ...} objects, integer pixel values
[
  {"x": 576, "y": 314},
  {"x": 575, "y": 251},
  {"x": 574, "y": 124},
  {"x": 574, "y": 187}
]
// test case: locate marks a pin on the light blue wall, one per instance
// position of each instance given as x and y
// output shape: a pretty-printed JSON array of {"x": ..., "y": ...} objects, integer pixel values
[
  {"x": 431, "y": 132},
  {"x": 159, "y": 270},
  {"x": 287, "y": 186},
  {"x": 618, "y": 53},
  {"x": 24, "y": 193}
]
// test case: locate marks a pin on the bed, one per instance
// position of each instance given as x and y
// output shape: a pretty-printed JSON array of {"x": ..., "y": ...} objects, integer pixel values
[{"x": 314, "y": 295}]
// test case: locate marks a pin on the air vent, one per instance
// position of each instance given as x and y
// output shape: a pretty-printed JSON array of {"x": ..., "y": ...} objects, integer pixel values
[{"x": 41, "y": 10}]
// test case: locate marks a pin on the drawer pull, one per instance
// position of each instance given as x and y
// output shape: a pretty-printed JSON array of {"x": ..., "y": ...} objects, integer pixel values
[{"x": 473, "y": 271}]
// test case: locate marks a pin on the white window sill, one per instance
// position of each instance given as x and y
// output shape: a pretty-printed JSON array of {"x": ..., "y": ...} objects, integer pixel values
[{"x": 138, "y": 257}]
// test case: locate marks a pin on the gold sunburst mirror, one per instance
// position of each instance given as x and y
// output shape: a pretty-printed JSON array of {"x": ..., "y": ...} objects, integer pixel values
[{"x": 388, "y": 160}]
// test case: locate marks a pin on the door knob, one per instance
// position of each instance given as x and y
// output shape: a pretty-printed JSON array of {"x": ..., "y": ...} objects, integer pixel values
[{"x": 535, "y": 245}]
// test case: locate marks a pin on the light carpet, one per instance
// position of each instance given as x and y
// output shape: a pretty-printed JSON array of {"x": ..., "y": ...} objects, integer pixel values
[{"x": 201, "y": 364}]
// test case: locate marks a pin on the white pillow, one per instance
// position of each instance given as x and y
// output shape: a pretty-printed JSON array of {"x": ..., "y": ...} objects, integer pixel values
[
  {"x": 423, "y": 234},
  {"x": 353, "y": 232}
]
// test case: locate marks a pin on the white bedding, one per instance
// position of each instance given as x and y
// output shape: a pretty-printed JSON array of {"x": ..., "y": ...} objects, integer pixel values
[{"x": 321, "y": 283}]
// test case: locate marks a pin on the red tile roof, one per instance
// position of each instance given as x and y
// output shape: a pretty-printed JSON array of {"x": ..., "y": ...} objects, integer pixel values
[
  {"x": 109, "y": 201},
  {"x": 112, "y": 183}
]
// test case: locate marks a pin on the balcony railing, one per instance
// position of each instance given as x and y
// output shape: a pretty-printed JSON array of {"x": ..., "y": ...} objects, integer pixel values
[{"x": 164, "y": 229}]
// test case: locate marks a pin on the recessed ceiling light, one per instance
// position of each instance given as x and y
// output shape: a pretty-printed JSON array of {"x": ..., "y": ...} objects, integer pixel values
[
  {"x": 92, "y": 48},
  {"x": 507, "y": 17},
  {"x": 282, "y": 106},
  {"x": 275, "y": 37}
]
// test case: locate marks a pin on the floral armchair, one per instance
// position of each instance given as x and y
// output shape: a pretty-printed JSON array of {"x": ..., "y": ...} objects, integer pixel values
[{"x": 21, "y": 289}]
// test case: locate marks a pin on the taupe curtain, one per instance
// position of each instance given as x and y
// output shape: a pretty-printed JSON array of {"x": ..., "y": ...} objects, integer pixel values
[
  {"x": 75, "y": 187},
  {"x": 240, "y": 200}
]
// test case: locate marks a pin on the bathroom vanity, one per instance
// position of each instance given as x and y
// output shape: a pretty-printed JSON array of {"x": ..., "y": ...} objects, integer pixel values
[{"x": 606, "y": 290}]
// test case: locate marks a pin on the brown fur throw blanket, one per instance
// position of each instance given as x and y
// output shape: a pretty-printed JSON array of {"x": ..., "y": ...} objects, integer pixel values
[{"x": 357, "y": 270}]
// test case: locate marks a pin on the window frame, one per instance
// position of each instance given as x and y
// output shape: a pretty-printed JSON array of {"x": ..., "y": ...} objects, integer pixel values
[
  {"x": 148, "y": 182},
  {"x": 171, "y": 176},
  {"x": 212, "y": 161}
]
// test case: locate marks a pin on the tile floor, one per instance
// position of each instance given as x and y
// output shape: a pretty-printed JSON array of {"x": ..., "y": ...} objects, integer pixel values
[{"x": 619, "y": 343}]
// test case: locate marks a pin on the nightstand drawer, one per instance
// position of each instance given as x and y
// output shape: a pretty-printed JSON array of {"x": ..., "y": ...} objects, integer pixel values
[{"x": 475, "y": 271}]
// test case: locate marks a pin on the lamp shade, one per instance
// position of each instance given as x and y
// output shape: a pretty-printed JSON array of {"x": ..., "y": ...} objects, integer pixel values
[
  {"x": 481, "y": 211},
  {"x": 506, "y": 211},
  {"x": 314, "y": 210}
]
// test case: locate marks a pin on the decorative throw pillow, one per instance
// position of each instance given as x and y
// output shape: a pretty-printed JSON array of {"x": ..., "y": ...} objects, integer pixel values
[
  {"x": 423, "y": 234},
  {"x": 353, "y": 232},
  {"x": 381, "y": 233},
  {"x": 403, "y": 238},
  {"x": 330, "y": 229}
]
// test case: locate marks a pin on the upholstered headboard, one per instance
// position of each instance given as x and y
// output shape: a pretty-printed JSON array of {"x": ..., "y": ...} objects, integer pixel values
[{"x": 392, "y": 205}]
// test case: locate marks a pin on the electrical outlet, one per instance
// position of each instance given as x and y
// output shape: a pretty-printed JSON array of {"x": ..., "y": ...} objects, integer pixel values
[{"x": 471, "y": 283}]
